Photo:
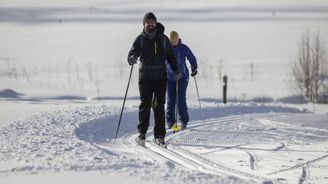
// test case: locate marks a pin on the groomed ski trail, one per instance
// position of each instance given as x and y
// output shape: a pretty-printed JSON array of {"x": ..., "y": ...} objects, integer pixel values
[
  {"x": 175, "y": 152},
  {"x": 187, "y": 159}
]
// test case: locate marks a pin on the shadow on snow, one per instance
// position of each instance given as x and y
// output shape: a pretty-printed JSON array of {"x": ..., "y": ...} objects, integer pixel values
[{"x": 104, "y": 129}]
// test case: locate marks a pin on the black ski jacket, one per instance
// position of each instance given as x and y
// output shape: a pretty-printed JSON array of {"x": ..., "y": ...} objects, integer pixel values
[{"x": 153, "y": 53}]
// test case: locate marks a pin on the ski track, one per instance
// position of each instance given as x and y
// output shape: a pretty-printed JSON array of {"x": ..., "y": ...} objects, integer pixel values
[
  {"x": 222, "y": 149},
  {"x": 192, "y": 161},
  {"x": 240, "y": 147},
  {"x": 282, "y": 146},
  {"x": 159, "y": 154},
  {"x": 217, "y": 167},
  {"x": 177, "y": 154},
  {"x": 252, "y": 160},
  {"x": 244, "y": 134},
  {"x": 301, "y": 165},
  {"x": 304, "y": 175}
]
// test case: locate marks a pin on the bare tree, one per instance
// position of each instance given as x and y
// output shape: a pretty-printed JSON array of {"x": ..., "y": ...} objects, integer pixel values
[
  {"x": 320, "y": 59},
  {"x": 310, "y": 70}
]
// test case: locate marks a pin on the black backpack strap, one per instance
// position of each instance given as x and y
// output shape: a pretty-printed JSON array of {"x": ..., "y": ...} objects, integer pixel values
[
  {"x": 164, "y": 42},
  {"x": 141, "y": 43}
]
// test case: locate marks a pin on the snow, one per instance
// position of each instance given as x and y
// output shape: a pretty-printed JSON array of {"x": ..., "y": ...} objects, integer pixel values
[
  {"x": 63, "y": 75},
  {"x": 242, "y": 143},
  {"x": 71, "y": 177}
]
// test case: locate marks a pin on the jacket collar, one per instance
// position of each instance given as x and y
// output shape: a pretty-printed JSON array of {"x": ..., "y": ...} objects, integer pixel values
[{"x": 159, "y": 30}]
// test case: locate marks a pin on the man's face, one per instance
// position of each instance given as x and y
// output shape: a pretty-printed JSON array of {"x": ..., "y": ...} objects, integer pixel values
[{"x": 150, "y": 25}]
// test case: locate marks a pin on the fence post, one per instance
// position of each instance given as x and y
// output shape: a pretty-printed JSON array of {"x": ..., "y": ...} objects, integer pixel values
[{"x": 225, "y": 85}]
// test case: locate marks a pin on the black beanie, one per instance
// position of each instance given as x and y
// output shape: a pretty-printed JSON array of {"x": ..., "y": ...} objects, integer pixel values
[{"x": 148, "y": 16}]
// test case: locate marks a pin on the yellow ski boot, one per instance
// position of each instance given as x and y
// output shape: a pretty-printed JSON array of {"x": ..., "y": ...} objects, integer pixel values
[{"x": 175, "y": 128}]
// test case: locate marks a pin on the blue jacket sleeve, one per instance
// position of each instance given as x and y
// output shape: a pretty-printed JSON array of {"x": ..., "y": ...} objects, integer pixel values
[{"x": 191, "y": 58}]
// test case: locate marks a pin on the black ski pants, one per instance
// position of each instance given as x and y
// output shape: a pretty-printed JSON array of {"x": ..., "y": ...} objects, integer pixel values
[{"x": 147, "y": 89}]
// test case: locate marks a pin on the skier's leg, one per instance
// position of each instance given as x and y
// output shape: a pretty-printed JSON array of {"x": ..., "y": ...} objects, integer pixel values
[
  {"x": 182, "y": 104},
  {"x": 170, "y": 108},
  {"x": 146, "y": 94},
  {"x": 159, "y": 92}
]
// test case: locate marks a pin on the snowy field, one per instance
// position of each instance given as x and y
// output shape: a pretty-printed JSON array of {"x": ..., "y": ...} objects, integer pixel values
[{"x": 63, "y": 74}]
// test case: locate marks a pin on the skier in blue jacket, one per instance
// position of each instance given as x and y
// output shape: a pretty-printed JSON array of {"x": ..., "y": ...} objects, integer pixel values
[{"x": 182, "y": 52}]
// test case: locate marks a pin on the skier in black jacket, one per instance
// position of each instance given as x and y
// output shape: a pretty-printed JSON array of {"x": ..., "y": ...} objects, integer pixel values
[{"x": 153, "y": 48}]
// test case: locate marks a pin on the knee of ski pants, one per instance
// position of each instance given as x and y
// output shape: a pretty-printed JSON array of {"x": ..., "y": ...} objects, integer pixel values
[
  {"x": 144, "y": 105},
  {"x": 171, "y": 90},
  {"x": 170, "y": 100},
  {"x": 170, "y": 106},
  {"x": 160, "y": 101},
  {"x": 182, "y": 91}
]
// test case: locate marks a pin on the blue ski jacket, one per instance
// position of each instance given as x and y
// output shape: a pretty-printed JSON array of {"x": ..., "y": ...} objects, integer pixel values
[{"x": 182, "y": 52}]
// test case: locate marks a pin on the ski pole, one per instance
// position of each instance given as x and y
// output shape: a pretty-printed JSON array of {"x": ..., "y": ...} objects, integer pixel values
[
  {"x": 176, "y": 103},
  {"x": 200, "y": 106},
  {"x": 126, "y": 93}
]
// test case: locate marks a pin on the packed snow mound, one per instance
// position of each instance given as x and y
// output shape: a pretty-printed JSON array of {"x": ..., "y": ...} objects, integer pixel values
[
  {"x": 47, "y": 142},
  {"x": 9, "y": 93}
]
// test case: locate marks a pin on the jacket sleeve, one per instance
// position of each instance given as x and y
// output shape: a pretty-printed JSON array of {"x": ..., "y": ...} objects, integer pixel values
[
  {"x": 135, "y": 50},
  {"x": 191, "y": 58},
  {"x": 171, "y": 59}
]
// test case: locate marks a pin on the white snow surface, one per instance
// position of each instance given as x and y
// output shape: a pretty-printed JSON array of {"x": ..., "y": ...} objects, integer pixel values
[
  {"x": 237, "y": 143},
  {"x": 63, "y": 75}
]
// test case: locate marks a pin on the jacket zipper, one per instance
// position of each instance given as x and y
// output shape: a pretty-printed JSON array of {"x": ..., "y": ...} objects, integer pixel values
[{"x": 155, "y": 47}]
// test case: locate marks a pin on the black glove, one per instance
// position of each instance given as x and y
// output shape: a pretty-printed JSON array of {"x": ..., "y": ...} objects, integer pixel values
[
  {"x": 193, "y": 72},
  {"x": 132, "y": 60},
  {"x": 177, "y": 76}
]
